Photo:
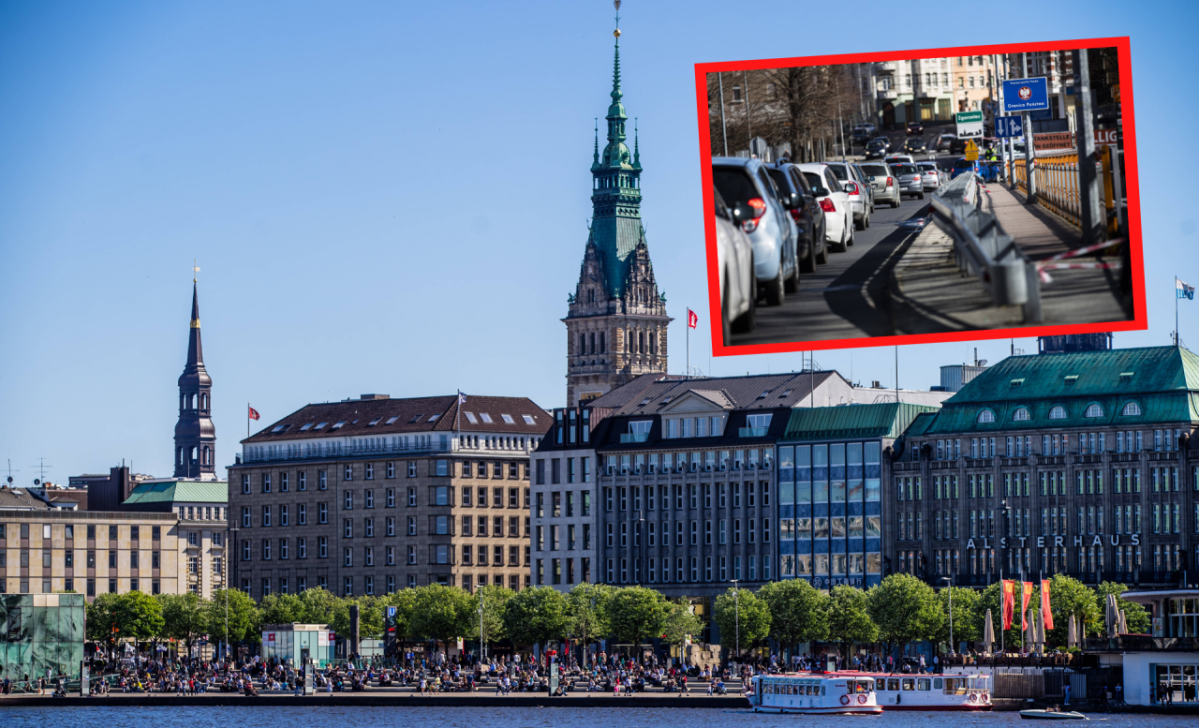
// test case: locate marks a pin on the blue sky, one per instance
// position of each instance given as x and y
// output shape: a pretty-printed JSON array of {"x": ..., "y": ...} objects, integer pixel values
[{"x": 392, "y": 197}]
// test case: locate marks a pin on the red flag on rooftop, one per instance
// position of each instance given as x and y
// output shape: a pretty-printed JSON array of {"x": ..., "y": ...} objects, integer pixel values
[
  {"x": 692, "y": 319},
  {"x": 253, "y": 414}
]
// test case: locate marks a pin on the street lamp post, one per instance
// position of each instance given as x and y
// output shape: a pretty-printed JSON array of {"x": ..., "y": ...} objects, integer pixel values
[
  {"x": 737, "y": 619},
  {"x": 949, "y": 585},
  {"x": 482, "y": 645}
]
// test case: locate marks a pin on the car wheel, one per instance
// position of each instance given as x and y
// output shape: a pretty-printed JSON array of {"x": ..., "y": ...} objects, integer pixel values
[
  {"x": 920, "y": 196},
  {"x": 775, "y": 289},
  {"x": 808, "y": 264},
  {"x": 841, "y": 245},
  {"x": 860, "y": 224},
  {"x": 747, "y": 322},
  {"x": 793, "y": 279},
  {"x": 851, "y": 236},
  {"x": 822, "y": 256},
  {"x": 866, "y": 222},
  {"x": 895, "y": 202}
]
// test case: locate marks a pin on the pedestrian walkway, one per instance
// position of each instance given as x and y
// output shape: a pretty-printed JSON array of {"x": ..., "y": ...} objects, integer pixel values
[{"x": 929, "y": 294}]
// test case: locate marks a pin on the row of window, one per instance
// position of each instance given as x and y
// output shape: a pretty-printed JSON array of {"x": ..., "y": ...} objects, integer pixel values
[
  {"x": 1163, "y": 479},
  {"x": 581, "y": 474},
  {"x": 1089, "y": 443},
  {"x": 68, "y": 585},
  {"x": 437, "y": 468},
  {"x": 836, "y": 565},
  {"x": 681, "y": 570},
  {"x": 680, "y": 462},
  {"x": 134, "y": 561},
  {"x": 572, "y": 542},
  {"x": 23, "y": 530},
  {"x": 688, "y": 532},
  {"x": 557, "y": 498},
  {"x": 822, "y": 527},
  {"x": 754, "y": 494}
]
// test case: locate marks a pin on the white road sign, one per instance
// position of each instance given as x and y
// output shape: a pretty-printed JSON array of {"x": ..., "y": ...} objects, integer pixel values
[{"x": 970, "y": 124}]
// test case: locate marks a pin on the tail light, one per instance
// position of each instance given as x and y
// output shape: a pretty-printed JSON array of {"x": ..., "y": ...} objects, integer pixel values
[
  {"x": 853, "y": 190},
  {"x": 827, "y": 205},
  {"x": 758, "y": 205},
  {"x": 795, "y": 214},
  {"x": 890, "y": 181}
]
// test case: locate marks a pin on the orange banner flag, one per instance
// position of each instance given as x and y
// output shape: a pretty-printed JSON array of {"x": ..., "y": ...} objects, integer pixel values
[
  {"x": 1009, "y": 602},
  {"x": 1024, "y": 608},
  {"x": 1046, "y": 612}
]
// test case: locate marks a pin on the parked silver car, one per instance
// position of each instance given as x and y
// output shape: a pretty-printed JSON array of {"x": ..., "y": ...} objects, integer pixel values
[
  {"x": 884, "y": 182},
  {"x": 911, "y": 179},
  {"x": 735, "y": 261},
  {"x": 745, "y": 182},
  {"x": 931, "y": 174},
  {"x": 861, "y": 199}
]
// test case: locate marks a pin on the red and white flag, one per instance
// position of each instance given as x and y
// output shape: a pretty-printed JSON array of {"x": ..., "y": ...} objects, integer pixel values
[
  {"x": 692, "y": 319},
  {"x": 253, "y": 414}
]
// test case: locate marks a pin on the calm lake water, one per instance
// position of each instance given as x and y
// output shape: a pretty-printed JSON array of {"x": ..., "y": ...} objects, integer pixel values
[{"x": 456, "y": 717}]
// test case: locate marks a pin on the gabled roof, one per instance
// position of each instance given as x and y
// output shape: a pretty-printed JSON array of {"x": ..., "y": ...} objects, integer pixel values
[
  {"x": 18, "y": 499},
  {"x": 888, "y": 420},
  {"x": 179, "y": 491},
  {"x": 780, "y": 390},
  {"x": 1162, "y": 381},
  {"x": 385, "y": 416}
]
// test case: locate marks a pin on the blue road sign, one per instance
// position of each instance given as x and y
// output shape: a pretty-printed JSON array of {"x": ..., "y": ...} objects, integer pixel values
[
  {"x": 1025, "y": 94},
  {"x": 1007, "y": 127}
]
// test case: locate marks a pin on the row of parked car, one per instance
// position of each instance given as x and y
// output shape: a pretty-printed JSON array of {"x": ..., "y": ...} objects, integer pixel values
[{"x": 775, "y": 221}]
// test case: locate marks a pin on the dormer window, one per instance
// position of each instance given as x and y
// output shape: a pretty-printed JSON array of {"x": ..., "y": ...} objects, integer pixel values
[
  {"x": 1021, "y": 415},
  {"x": 1094, "y": 410},
  {"x": 416, "y": 419},
  {"x": 392, "y": 420},
  {"x": 374, "y": 422},
  {"x": 529, "y": 419},
  {"x": 305, "y": 428},
  {"x": 763, "y": 395},
  {"x": 1125, "y": 377},
  {"x": 509, "y": 421},
  {"x": 986, "y": 416},
  {"x": 470, "y": 417},
  {"x": 279, "y": 428},
  {"x": 1057, "y": 413},
  {"x": 1071, "y": 378},
  {"x": 433, "y": 418},
  {"x": 1017, "y": 382},
  {"x": 338, "y": 426},
  {"x": 1132, "y": 409},
  {"x": 485, "y": 417},
  {"x": 320, "y": 426}
]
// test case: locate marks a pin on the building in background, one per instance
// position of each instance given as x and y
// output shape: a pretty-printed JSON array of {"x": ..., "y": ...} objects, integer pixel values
[
  {"x": 369, "y": 495},
  {"x": 90, "y": 552},
  {"x": 1077, "y": 463},
  {"x": 564, "y": 502},
  {"x": 202, "y": 509},
  {"x": 616, "y": 325},
  {"x": 40, "y": 633},
  {"x": 195, "y": 436},
  {"x": 831, "y": 466}
]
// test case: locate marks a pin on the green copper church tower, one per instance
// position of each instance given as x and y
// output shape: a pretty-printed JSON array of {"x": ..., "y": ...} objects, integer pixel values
[{"x": 616, "y": 324}]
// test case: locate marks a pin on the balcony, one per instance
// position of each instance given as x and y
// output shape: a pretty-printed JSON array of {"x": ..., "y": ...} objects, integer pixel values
[
  {"x": 886, "y": 67},
  {"x": 751, "y": 432},
  {"x": 887, "y": 94},
  {"x": 634, "y": 437}
]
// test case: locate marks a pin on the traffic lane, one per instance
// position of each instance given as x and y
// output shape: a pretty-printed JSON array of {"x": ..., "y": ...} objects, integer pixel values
[{"x": 844, "y": 298}]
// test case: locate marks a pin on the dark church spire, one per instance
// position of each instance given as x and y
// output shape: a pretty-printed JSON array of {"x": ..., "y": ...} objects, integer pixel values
[{"x": 195, "y": 436}]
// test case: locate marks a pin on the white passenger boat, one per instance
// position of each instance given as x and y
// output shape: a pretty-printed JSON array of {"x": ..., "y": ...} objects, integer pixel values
[
  {"x": 814, "y": 693},
  {"x": 932, "y": 692}
]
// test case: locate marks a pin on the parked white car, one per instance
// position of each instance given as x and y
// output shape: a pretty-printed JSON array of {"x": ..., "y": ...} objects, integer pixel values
[
  {"x": 735, "y": 261},
  {"x": 930, "y": 175},
  {"x": 838, "y": 212}
]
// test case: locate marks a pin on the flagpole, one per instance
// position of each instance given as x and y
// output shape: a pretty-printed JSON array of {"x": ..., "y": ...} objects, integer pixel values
[
  {"x": 1176, "y": 282},
  {"x": 687, "y": 371},
  {"x": 247, "y": 420}
]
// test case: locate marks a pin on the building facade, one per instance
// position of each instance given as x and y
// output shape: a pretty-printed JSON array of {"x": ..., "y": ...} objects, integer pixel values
[
  {"x": 202, "y": 510},
  {"x": 616, "y": 324},
  {"x": 1076, "y": 463},
  {"x": 830, "y": 504},
  {"x": 686, "y": 485},
  {"x": 370, "y": 495},
  {"x": 564, "y": 502},
  {"x": 91, "y": 552},
  {"x": 195, "y": 436}
]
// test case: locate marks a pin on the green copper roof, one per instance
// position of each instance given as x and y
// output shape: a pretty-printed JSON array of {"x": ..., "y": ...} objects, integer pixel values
[
  {"x": 888, "y": 419},
  {"x": 1161, "y": 382},
  {"x": 180, "y": 491},
  {"x": 616, "y": 198}
]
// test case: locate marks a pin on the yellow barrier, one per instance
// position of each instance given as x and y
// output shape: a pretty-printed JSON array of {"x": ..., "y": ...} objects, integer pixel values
[{"x": 1058, "y": 185}]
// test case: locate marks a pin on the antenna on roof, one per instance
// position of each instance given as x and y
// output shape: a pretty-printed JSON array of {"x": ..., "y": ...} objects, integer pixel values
[{"x": 42, "y": 468}]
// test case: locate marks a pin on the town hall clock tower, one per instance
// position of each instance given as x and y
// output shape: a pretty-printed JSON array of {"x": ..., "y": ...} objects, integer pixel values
[{"x": 616, "y": 324}]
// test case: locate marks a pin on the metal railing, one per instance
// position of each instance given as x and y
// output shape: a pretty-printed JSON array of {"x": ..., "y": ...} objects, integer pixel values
[
  {"x": 1058, "y": 189},
  {"x": 982, "y": 249}
]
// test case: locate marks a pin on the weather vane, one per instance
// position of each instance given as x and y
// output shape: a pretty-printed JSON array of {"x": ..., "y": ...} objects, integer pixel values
[
  {"x": 195, "y": 270},
  {"x": 617, "y": 31}
]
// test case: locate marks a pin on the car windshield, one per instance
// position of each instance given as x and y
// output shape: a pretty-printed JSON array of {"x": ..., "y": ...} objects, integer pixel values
[
  {"x": 734, "y": 184},
  {"x": 904, "y": 169},
  {"x": 876, "y": 143},
  {"x": 780, "y": 179},
  {"x": 963, "y": 163},
  {"x": 875, "y": 170},
  {"x": 839, "y": 170},
  {"x": 927, "y": 165}
]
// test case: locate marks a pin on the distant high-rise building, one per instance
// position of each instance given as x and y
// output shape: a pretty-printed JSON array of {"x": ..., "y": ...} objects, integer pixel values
[
  {"x": 195, "y": 436},
  {"x": 1073, "y": 342}
]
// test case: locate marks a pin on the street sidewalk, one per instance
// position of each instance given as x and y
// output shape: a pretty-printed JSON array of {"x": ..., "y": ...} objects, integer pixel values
[{"x": 928, "y": 294}]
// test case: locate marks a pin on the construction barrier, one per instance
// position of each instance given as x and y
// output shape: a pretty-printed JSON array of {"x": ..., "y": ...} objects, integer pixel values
[{"x": 1056, "y": 175}]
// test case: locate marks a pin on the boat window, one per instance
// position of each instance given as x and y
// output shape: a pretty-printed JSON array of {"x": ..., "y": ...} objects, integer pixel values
[
  {"x": 923, "y": 683},
  {"x": 893, "y": 683},
  {"x": 937, "y": 683},
  {"x": 908, "y": 683}
]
